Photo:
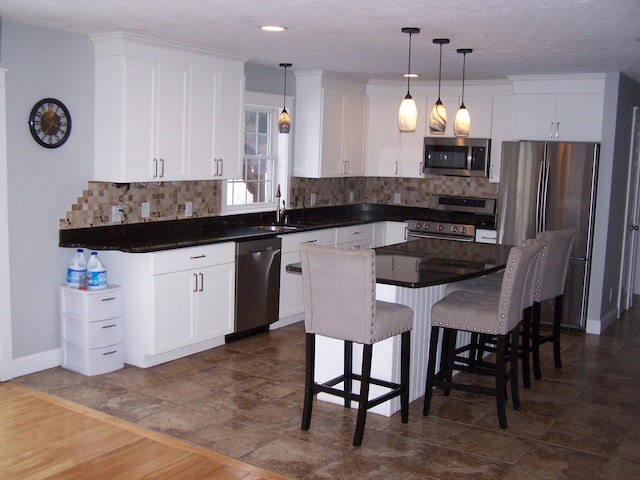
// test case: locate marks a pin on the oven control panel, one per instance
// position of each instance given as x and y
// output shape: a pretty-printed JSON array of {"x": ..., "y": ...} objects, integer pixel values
[{"x": 422, "y": 228}]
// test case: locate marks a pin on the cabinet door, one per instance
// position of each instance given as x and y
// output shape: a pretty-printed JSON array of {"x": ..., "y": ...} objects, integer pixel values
[
  {"x": 214, "y": 301},
  {"x": 139, "y": 121},
  {"x": 533, "y": 116},
  {"x": 173, "y": 310},
  {"x": 229, "y": 125},
  {"x": 383, "y": 137},
  {"x": 579, "y": 117},
  {"x": 332, "y": 134},
  {"x": 353, "y": 136},
  {"x": 202, "y": 114},
  {"x": 171, "y": 121},
  {"x": 291, "y": 301}
]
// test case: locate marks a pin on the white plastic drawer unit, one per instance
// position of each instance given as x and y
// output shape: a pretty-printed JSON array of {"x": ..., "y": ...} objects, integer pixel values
[{"x": 193, "y": 257}]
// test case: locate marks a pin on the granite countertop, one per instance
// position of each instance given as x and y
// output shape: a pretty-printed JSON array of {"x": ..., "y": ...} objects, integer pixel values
[
  {"x": 428, "y": 262},
  {"x": 170, "y": 234}
]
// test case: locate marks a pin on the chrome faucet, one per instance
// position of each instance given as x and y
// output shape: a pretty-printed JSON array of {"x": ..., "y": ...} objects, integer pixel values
[{"x": 279, "y": 212}]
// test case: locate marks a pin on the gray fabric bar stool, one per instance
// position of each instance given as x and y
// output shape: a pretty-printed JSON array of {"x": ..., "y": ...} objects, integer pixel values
[
  {"x": 550, "y": 285},
  {"x": 497, "y": 316},
  {"x": 339, "y": 288}
]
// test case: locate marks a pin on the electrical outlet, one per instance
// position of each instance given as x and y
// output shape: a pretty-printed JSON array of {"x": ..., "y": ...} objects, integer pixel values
[
  {"x": 352, "y": 196},
  {"x": 144, "y": 210},
  {"x": 188, "y": 209},
  {"x": 396, "y": 198},
  {"x": 313, "y": 199},
  {"x": 116, "y": 214}
]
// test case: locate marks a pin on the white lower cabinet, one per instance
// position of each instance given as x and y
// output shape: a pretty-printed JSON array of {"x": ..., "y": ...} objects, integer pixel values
[
  {"x": 91, "y": 329},
  {"x": 191, "y": 306},
  {"x": 179, "y": 301}
]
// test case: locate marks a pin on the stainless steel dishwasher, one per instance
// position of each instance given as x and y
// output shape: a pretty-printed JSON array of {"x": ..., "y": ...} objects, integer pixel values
[{"x": 257, "y": 302}]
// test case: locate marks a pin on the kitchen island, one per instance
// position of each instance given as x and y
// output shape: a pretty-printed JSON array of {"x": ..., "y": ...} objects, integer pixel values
[{"x": 415, "y": 274}]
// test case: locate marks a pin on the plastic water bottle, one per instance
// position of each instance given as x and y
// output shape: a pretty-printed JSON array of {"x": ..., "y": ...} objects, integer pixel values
[
  {"x": 77, "y": 270},
  {"x": 96, "y": 272}
]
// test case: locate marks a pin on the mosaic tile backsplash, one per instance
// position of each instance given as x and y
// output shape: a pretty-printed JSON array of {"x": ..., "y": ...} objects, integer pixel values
[{"x": 167, "y": 200}]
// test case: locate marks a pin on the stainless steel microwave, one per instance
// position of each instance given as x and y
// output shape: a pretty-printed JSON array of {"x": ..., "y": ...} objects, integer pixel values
[{"x": 462, "y": 157}]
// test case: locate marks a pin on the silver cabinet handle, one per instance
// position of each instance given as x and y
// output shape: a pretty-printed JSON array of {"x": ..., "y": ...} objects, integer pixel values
[
  {"x": 201, "y": 282},
  {"x": 155, "y": 168},
  {"x": 108, "y": 299},
  {"x": 162, "y": 168},
  {"x": 195, "y": 283},
  {"x": 551, "y": 130},
  {"x": 396, "y": 170},
  {"x": 557, "y": 129},
  {"x": 194, "y": 257}
]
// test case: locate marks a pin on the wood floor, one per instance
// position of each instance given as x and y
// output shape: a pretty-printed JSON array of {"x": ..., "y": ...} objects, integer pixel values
[{"x": 45, "y": 437}]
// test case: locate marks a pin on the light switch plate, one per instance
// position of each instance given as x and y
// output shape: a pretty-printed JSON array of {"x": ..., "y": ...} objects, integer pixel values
[
  {"x": 188, "y": 209},
  {"x": 144, "y": 210},
  {"x": 396, "y": 198},
  {"x": 313, "y": 199}
]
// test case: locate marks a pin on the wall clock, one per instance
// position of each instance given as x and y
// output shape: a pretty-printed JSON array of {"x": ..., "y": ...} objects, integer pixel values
[{"x": 50, "y": 123}]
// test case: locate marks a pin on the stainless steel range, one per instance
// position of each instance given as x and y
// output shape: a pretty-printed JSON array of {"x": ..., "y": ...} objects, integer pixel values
[{"x": 453, "y": 217}]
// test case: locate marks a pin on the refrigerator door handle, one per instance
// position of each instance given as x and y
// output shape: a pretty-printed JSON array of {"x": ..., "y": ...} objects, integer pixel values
[
  {"x": 539, "y": 194},
  {"x": 545, "y": 193}
]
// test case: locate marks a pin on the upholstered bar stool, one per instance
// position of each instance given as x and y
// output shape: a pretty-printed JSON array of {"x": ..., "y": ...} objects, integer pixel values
[
  {"x": 339, "y": 288},
  {"x": 497, "y": 316},
  {"x": 550, "y": 284}
]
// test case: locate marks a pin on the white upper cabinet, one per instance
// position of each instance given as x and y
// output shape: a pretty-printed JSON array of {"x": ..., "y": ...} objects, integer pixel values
[
  {"x": 558, "y": 108},
  {"x": 329, "y": 126},
  {"x": 165, "y": 111}
]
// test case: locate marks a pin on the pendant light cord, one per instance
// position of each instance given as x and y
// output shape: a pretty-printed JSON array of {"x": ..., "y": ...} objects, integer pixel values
[
  {"x": 409, "y": 67},
  {"x": 440, "y": 72},
  {"x": 464, "y": 64},
  {"x": 284, "y": 92}
]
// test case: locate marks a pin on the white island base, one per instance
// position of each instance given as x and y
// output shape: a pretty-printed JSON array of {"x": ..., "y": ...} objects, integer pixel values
[{"x": 386, "y": 354}]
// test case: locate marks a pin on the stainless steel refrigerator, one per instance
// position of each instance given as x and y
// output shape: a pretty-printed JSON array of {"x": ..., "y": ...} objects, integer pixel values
[{"x": 551, "y": 186}]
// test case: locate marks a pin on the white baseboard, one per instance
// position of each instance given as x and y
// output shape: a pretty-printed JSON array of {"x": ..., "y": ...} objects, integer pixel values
[
  {"x": 35, "y": 363},
  {"x": 596, "y": 327}
]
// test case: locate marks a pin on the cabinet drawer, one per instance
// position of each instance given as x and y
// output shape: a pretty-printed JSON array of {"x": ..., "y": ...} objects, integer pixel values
[
  {"x": 355, "y": 233},
  {"x": 193, "y": 257},
  {"x": 484, "y": 235},
  {"x": 95, "y": 361},
  {"x": 291, "y": 241}
]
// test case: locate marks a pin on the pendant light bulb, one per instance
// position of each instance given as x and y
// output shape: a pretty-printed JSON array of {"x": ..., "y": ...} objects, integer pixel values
[
  {"x": 438, "y": 116},
  {"x": 462, "y": 123},
  {"x": 408, "y": 112},
  {"x": 284, "y": 121}
]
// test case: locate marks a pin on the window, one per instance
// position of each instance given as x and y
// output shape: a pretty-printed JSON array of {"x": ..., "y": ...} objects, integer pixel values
[{"x": 263, "y": 166}]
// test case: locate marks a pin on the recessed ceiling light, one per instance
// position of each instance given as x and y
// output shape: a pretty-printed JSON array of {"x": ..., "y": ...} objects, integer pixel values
[
  {"x": 411, "y": 75},
  {"x": 273, "y": 28}
]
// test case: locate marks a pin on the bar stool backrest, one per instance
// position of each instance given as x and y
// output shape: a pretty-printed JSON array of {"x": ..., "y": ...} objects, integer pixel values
[
  {"x": 516, "y": 293},
  {"x": 339, "y": 289},
  {"x": 554, "y": 263}
]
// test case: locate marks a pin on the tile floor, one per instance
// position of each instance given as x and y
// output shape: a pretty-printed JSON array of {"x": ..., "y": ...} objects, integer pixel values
[{"x": 244, "y": 400}]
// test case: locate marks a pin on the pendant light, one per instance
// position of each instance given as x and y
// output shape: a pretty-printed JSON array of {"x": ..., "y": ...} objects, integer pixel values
[
  {"x": 438, "y": 117},
  {"x": 462, "y": 123},
  {"x": 284, "y": 121},
  {"x": 408, "y": 113}
]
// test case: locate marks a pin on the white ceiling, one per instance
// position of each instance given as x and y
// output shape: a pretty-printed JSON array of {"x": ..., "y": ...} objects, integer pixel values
[{"x": 363, "y": 38}]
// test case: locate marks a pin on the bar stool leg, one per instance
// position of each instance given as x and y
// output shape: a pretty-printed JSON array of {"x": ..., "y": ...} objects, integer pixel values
[
  {"x": 309, "y": 380},
  {"x": 526, "y": 346},
  {"x": 405, "y": 361},
  {"x": 431, "y": 369},
  {"x": 513, "y": 368},
  {"x": 501, "y": 350},
  {"x": 348, "y": 371},
  {"x": 557, "y": 316},
  {"x": 363, "y": 398},
  {"x": 535, "y": 340}
]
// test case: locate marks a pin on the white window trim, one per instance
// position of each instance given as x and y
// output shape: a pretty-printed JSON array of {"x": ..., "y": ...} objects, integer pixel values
[{"x": 280, "y": 146}]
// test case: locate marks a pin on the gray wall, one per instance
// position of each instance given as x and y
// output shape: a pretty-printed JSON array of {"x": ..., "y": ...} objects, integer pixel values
[
  {"x": 42, "y": 183},
  {"x": 259, "y": 78}
]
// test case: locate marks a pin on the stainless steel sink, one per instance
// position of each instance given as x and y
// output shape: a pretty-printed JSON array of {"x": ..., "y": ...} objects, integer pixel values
[{"x": 276, "y": 228}]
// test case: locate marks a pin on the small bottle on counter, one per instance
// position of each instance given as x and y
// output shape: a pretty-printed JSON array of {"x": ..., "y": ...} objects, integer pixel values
[
  {"x": 77, "y": 270},
  {"x": 96, "y": 273}
]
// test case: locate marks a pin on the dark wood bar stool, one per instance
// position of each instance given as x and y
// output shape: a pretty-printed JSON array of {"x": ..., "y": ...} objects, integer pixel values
[
  {"x": 484, "y": 314},
  {"x": 339, "y": 288}
]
